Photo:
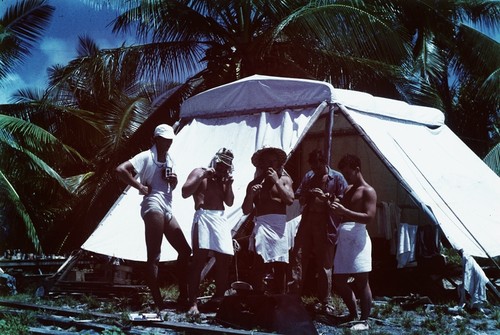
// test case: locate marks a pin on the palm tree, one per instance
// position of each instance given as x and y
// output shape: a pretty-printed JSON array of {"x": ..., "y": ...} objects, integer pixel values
[
  {"x": 459, "y": 62},
  {"x": 207, "y": 43},
  {"x": 33, "y": 191},
  {"x": 22, "y": 168},
  {"x": 21, "y": 26},
  {"x": 103, "y": 101},
  {"x": 398, "y": 49}
]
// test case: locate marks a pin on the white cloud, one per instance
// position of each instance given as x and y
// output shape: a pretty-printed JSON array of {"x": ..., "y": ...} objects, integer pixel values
[
  {"x": 9, "y": 86},
  {"x": 57, "y": 51}
]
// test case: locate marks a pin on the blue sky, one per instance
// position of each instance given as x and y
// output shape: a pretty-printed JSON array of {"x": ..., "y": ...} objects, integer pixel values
[{"x": 71, "y": 18}]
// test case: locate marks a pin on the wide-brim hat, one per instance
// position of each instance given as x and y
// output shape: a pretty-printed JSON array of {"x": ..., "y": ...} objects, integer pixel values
[{"x": 271, "y": 150}]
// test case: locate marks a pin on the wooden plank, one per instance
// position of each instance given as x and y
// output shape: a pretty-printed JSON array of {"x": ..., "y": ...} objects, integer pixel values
[{"x": 190, "y": 328}]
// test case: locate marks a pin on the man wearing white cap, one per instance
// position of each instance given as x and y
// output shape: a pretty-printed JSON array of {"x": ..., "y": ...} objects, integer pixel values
[
  {"x": 269, "y": 193},
  {"x": 211, "y": 188},
  {"x": 157, "y": 179}
]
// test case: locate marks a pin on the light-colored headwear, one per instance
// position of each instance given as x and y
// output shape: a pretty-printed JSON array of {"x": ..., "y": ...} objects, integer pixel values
[
  {"x": 256, "y": 157},
  {"x": 224, "y": 156},
  {"x": 165, "y": 131}
]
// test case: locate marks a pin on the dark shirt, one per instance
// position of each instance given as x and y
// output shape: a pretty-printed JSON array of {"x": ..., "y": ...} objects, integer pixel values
[{"x": 335, "y": 185}]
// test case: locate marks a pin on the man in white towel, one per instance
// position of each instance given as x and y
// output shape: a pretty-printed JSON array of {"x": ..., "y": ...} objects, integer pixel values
[
  {"x": 269, "y": 194},
  {"x": 353, "y": 255},
  {"x": 157, "y": 179},
  {"x": 211, "y": 188}
]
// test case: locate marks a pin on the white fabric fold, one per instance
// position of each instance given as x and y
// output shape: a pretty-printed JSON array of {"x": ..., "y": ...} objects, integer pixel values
[
  {"x": 214, "y": 231},
  {"x": 271, "y": 238},
  {"x": 474, "y": 281},
  {"x": 407, "y": 236}
]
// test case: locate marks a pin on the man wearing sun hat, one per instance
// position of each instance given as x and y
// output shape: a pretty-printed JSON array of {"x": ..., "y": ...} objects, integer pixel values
[
  {"x": 269, "y": 194},
  {"x": 157, "y": 179},
  {"x": 211, "y": 188}
]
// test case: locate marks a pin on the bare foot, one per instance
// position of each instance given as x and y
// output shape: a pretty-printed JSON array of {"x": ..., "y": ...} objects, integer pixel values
[{"x": 193, "y": 311}]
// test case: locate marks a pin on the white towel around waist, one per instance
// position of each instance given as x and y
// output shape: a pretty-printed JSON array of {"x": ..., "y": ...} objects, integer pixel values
[
  {"x": 354, "y": 249},
  {"x": 214, "y": 232},
  {"x": 270, "y": 238}
]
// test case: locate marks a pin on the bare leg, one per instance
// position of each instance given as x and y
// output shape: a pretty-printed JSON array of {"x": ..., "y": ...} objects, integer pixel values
[
  {"x": 258, "y": 270},
  {"x": 153, "y": 230},
  {"x": 199, "y": 260},
  {"x": 346, "y": 293},
  {"x": 280, "y": 277},
  {"x": 300, "y": 257},
  {"x": 363, "y": 287},
  {"x": 176, "y": 238},
  {"x": 326, "y": 255},
  {"x": 222, "y": 264},
  {"x": 324, "y": 284}
]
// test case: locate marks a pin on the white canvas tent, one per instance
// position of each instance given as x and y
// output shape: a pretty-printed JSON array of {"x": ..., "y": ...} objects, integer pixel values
[{"x": 408, "y": 154}]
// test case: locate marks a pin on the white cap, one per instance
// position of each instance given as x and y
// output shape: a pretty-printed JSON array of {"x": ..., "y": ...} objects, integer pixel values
[{"x": 165, "y": 131}]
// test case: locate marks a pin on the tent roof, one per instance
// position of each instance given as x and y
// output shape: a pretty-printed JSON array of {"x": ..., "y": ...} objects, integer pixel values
[
  {"x": 255, "y": 93},
  {"x": 389, "y": 108},
  {"x": 258, "y": 92}
]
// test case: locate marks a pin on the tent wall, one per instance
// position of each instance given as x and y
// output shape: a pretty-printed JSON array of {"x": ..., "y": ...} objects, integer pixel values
[
  {"x": 347, "y": 140},
  {"x": 121, "y": 233},
  {"x": 420, "y": 166},
  {"x": 408, "y": 154}
]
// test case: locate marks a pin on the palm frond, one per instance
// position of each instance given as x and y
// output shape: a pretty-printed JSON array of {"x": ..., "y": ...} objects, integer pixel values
[
  {"x": 492, "y": 159},
  {"x": 20, "y": 27},
  {"x": 19, "y": 207},
  {"x": 34, "y": 142}
]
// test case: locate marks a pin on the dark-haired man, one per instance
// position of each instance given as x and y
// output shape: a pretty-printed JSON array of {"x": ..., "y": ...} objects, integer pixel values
[
  {"x": 317, "y": 233},
  {"x": 353, "y": 255}
]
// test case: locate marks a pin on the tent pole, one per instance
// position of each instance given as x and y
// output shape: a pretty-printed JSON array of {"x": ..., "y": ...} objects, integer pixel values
[{"x": 328, "y": 132}]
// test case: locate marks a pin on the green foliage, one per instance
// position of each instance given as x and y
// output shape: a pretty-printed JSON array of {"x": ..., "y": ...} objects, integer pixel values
[
  {"x": 496, "y": 316},
  {"x": 21, "y": 26},
  {"x": 207, "y": 287},
  {"x": 384, "y": 310},
  {"x": 438, "y": 323},
  {"x": 113, "y": 331},
  {"x": 14, "y": 325},
  {"x": 462, "y": 326},
  {"x": 407, "y": 321},
  {"x": 91, "y": 301},
  {"x": 337, "y": 303},
  {"x": 482, "y": 325},
  {"x": 452, "y": 256},
  {"x": 170, "y": 292},
  {"x": 419, "y": 332}
]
